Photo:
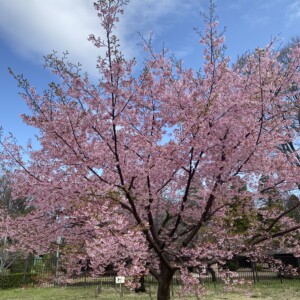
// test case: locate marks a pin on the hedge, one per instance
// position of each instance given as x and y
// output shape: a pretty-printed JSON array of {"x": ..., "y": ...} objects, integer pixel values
[{"x": 16, "y": 280}]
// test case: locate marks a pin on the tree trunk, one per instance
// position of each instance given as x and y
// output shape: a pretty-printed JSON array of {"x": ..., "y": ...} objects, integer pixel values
[
  {"x": 213, "y": 273},
  {"x": 164, "y": 283}
]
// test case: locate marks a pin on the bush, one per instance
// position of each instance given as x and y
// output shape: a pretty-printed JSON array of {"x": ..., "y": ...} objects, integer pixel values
[
  {"x": 259, "y": 267},
  {"x": 16, "y": 280},
  {"x": 21, "y": 265},
  {"x": 232, "y": 266}
]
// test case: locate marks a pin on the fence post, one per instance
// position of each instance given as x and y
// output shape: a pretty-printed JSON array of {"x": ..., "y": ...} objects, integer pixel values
[
  {"x": 256, "y": 273},
  {"x": 57, "y": 267},
  {"x": 253, "y": 272},
  {"x": 280, "y": 274},
  {"x": 25, "y": 270},
  {"x": 150, "y": 293}
]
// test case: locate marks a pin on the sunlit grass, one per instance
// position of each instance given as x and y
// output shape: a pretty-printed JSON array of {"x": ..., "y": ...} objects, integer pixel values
[{"x": 289, "y": 290}]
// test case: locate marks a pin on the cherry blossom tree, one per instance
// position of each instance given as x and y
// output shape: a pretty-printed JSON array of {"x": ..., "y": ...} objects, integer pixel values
[{"x": 151, "y": 172}]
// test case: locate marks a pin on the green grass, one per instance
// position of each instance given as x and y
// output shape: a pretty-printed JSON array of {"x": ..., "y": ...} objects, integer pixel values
[
  {"x": 67, "y": 294},
  {"x": 285, "y": 291}
]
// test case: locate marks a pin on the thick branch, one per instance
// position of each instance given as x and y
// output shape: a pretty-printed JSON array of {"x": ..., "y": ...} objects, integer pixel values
[{"x": 277, "y": 234}]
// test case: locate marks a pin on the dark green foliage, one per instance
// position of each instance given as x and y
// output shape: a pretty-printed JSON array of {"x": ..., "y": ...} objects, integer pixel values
[
  {"x": 21, "y": 266},
  {"x": 233, "y": 266},
  {"x": 241, "y": 225},
  {"x": 13, "y": 207},
  {"x": 292, "y": 204},
  {"x": 258, "y": 267},
  {"x": 16, "y": 280},
  {"x": 239, "y": 216}
]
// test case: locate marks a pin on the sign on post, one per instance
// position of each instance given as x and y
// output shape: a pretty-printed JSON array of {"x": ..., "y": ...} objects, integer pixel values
[{"x": 120, "y": 279}]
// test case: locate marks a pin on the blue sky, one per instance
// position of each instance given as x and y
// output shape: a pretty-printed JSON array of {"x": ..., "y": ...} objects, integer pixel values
[{"x": 33, "y": 28}]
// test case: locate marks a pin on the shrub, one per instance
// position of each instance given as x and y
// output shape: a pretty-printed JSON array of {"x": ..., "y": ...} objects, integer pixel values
[
  {"x": 232, "y": 266},
  {"x": 259, "y": 267},
  {"x": 21, "y": 265},
  {"x": 16, "y": 280}
]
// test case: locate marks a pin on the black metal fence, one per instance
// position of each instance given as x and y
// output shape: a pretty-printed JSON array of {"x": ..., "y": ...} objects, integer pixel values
[{"x": 48, "y": 273}]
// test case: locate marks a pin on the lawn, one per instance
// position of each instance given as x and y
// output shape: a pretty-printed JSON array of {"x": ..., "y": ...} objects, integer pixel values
[{"x": 290, "y": 291}]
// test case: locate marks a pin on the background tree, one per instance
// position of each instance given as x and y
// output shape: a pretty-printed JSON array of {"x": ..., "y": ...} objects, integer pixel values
[
  {"x": 13, "y": 207},
  {"x": 142, "y": 172},
  {"x": 10, "y": 208},
  {"x": 287, "y": 200},
  {"x": 292, "y": 204}
]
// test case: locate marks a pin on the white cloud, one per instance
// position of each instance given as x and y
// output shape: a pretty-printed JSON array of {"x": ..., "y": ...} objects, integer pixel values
[
  {"x": 34, "y": 28},
  {"x": 148, "y": 12},
  {"x": 293, "y": 11}
]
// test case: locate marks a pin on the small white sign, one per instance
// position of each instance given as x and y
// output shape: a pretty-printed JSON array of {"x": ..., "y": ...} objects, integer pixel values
[{"x": 120, "y": 279}]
